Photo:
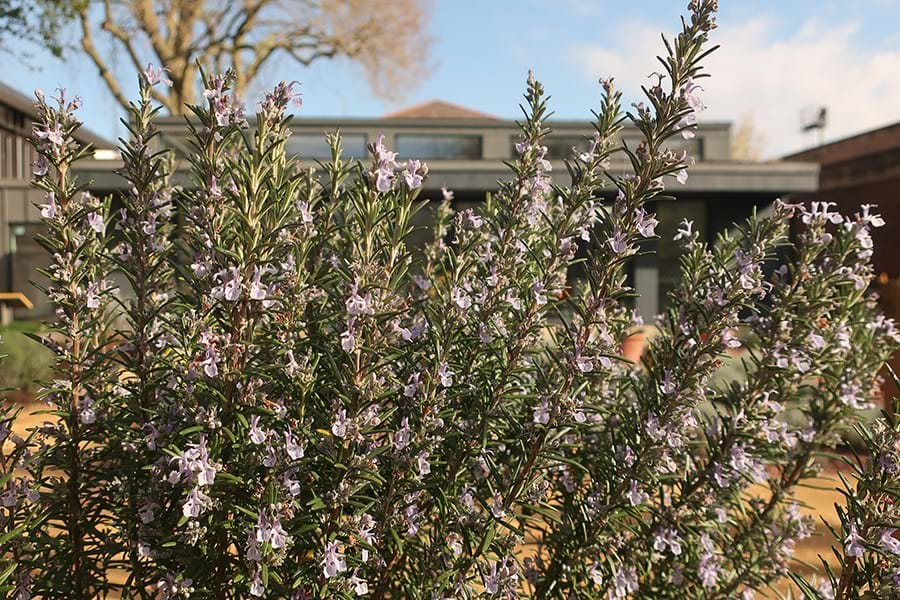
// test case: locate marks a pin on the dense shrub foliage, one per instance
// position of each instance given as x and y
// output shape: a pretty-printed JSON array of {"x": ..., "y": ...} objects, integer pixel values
[{"x": 291, "y": 401}]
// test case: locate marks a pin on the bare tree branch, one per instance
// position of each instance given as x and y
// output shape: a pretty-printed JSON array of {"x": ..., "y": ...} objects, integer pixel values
[
  {"x": 87, "y": 43},
  {"x": 248, "y": 35}
]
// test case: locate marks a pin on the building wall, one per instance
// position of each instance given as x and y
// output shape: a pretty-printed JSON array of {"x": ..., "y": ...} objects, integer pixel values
[
  {"x": 497, "y": 136},
  {"x": 863, "y": 169},
  {"x": 716, "y": 187},
  {"x": 884, "y": 193},
  {"x": 20, "y": 254}
]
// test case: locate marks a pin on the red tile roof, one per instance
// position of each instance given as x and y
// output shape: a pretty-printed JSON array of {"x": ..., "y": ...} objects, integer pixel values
[{"x": 438, "y": 109}]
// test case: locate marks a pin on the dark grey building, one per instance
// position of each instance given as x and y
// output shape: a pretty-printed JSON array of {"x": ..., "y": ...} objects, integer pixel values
[
  {"x": 20, "y": 255},
  {"x": 465, "y": 151}
]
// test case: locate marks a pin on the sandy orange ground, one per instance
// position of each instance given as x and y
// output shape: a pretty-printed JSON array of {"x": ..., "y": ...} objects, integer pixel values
[{"x": 816, "y": 502}]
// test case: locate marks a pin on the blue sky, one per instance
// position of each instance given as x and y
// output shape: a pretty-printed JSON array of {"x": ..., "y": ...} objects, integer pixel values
[{"x": 778, "y": 58}]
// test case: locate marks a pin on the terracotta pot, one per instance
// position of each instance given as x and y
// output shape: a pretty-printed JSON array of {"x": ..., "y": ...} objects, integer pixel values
[{"x": 634, "y": 345}]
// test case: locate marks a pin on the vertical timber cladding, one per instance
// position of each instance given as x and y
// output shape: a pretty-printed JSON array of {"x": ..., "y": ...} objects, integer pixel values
[
  {"x": 20, "y": 254},
  {"x": 668, "y": 255}
]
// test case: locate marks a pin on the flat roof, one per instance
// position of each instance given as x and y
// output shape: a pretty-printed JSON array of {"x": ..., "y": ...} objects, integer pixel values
[
  {"x": 779, "y": 177},
  {"x": 853, "y": 146},
  {"x": 171, "y": 122}
]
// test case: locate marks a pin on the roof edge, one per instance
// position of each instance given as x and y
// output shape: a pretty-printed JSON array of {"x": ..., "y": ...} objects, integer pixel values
[{"x": 22, "y": 103}]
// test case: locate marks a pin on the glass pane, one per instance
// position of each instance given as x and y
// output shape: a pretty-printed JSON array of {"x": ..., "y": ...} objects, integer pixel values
[
  {"x": 313, "y": 145},
  {"x": 439, "y": 147},
  {"x": 561, "y": 146}
]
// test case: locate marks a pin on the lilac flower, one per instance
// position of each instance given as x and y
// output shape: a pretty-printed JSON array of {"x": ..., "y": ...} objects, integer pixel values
[
  {"x": 170, "y": 587},
  {"x": 498, "y": 510},
  {"x": 821, "y": 213},
  {"x": 583, "y": 363},
  {"x": 542, "y": 412},
  {"x": 213, "y": 189},
  {"x": 411, "y": 514},
  {"x": 653, "y": 429},
  {"x": 446, "y": 194},
  {"x": 229, "y": 285},
  {"x": 689, "y": 93},
  {"x": 667, "y": 537},
  {"x": 306, "y": 216},
  {"x": 52, "y": 134},
  {"x": 412, "y": 385},
  {"x": 618, "y": 242},
  {"x": 364, "y": 531},
  {"x": 423, "y": 464},
  {"x": 226, "y": 108},
  {"x": 854, "y": 545},
  {"x": 385, "y": 161},
  {"x": 257, "y": 435},
  {"x": 636, "y": 495},
  {"x": 256, "y": 586},
  {"x": 502, "y": 578},
  {"x": 685, "y": 231},
  {"x": 194, "y": 465},
  {"x": 889, "y": 542},
  {"x": 592, "y": 148},
  {"x": 348, "y": 337},
  {"x": 681, "y": 176},
  {"x": 41, "y": 166},
  {"x": 668, "y": 386},
  {"x": 294, "y": 450},
  {"x": 467, "y": 498},
  {"x": 645, "y": 223},
  {"x": 826, "y": 590},
  {"x": 708, "y": 569},
  {"x": 333, "y": 561},
  {"x": 86, "y": 413},
  {"x": 401, "y": 438},
  {"x": 460, "y": 297},
  {"x": 92, "y": 299},
  {"x": 873, "y": 220},
  {"x": 480, "y": 468},
  {"x": 624, "y": 583},
  {"x": 852, "y": 394},
  {"x": 210, "y": 361},
  {"x": 339, "y": 426},
  {"x": 9, "y": 498},
  {"x": 359, "y": 585},
  {"x": 358, "y": 305},
  {"x": 540, "y": 294},
  {"x": 194, "y": 504},
  {"x": 257, "y": 290},
  {"x": 292, "y": 367},
  {"x": 154, "y": 76},
  {"x": 146, "y": 511},
  {"x": 730, "y": 340},
  {"x": 695, "y": 105},
  {"x": 51, "y": 209},
  {"x": 276, "y": 101},
  {"x": 445, "y": 375},
  {"x": 269, "y": 530},
  {"x": 415, "y": 173}
]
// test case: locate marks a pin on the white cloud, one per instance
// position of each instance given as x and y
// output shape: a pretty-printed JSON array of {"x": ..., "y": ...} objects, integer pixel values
[{"x": 772, "y": 78}]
